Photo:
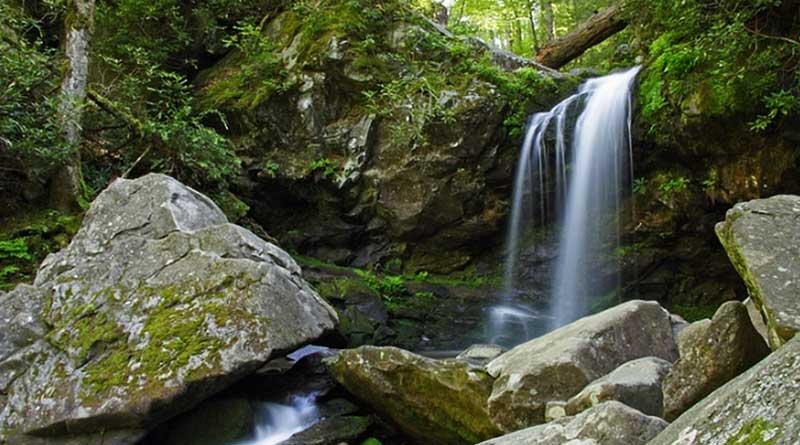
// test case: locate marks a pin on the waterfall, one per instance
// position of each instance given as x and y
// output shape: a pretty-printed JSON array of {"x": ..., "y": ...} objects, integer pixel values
[
  {"x": 585, "y": 176},
  {"x": 276, "y": 422}
]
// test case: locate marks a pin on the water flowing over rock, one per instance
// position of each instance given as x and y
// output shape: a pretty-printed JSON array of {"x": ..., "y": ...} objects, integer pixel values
[
  {"x": 156, "y": 304},
  {"x": 762, "y": 239},
  {"x": 435, "y": 401},
  {"x": 558, "y": 365},
  {"x": 711, "y": 353},
  {"x": 609, "y": 423},
  {"x": 585, "y": 198},
  {"x": 636, "y": 384},
  {"x": 760, "y": 406}
]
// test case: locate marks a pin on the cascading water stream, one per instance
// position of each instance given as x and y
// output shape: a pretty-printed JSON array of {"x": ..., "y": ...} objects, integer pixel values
[
  {"x": 585, "y": 177},
  {"x": 276, "y": 422}
]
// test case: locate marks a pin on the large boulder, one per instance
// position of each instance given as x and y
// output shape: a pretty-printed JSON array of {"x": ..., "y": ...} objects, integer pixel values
[
  {"x": 761, "y": 406},
  {"x": 558, "y": 365},
  {"x": 711, "y": 353},
  {"x": 609, "y": 423},
  {"x": 156, "y": 304},
  {"x": 435, "y": 401},
  {"x": 762, "y": 239},
  {"x": 636, "y": 384}
]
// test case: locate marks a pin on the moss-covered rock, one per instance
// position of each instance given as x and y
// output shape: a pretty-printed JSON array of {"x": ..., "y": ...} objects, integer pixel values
[
  {"x": 157, "y": 303},
  {"x": 398, "y": 135},
  {"x": 711, "y": 353},
  {"x": 434, "y": 401},
  {"x": 762, "y": 239},
  {"x": 757, "y": 407},
  {"x": 609, "y": 423}
]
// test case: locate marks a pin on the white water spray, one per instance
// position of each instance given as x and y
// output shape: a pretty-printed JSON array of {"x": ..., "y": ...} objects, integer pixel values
[
  {"x": 276, "y": 422},
  {"x": 586, "y": 181}
]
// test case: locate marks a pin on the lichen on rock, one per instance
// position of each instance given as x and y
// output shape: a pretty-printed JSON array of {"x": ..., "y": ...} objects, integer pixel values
[{"x": 157, "y": 303}]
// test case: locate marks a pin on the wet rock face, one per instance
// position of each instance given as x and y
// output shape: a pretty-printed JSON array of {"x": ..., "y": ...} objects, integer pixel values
[
  {"x": 156, "y": 304},
  {"x": 558, "y": 365},
  {"x": 762, "y": 239},
  {"x": 759, "y": 406},
  {"x": 711, "y": 354},
  {"x": 609, "y": 423},
  {"x": 435, "y": 401}
]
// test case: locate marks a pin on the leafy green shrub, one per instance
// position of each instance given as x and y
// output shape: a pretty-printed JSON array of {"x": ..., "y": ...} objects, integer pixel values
[
  {"x": 717, "y": 59},
  {"x": 30, "y": 139},
  {"x": 28, "y": 239}
]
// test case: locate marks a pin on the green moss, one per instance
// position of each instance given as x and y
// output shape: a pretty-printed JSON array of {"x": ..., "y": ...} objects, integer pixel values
[
  {"x": 27, "y": 239},
  {"x": 756, "y": 432},
  {"x": 692, "y": 313}
]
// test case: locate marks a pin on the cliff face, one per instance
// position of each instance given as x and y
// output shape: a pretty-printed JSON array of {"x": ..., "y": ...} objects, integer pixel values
[{"x": 370, "y": 135}]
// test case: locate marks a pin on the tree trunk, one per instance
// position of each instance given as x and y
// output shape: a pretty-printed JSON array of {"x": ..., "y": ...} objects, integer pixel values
[
  {"x": 532, "y": 11},
  {"x": 549, "y": 21},
  {"x": 65, "y": 185},
  {"x": 441, "y": 15},
  {"x": 595, "y": 30}
]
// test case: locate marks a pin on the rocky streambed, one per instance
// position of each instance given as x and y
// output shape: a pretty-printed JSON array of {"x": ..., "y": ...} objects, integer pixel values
[{"x": 163, "y": 324}]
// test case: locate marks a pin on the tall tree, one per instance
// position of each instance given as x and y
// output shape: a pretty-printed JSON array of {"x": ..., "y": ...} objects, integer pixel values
[
  {"x": 549, "y": 20},
  {"x": 65, "y": 189}
]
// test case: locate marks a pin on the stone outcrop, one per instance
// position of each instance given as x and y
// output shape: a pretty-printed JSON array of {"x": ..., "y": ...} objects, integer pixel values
[
  {"x": 353, "y": 160},
  {"x": 637, "y": 384},
  {"x": 711, "y": 353},
  {"x": 759, "y": 406},
  {"x": 558, "y": 365},
  {"x": 157, "y": 303},
  {"x": 435, "y": 401},
  {"x": 609, "y": 423},
  {"x": 762, "y": 239}
]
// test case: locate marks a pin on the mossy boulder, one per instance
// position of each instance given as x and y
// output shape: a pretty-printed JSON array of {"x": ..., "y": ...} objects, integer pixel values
[
  {"x": 762, "y": 239},
  {"x": 711, "y": 353},
  {"x": 609, "y": 423},
  {"x": 758, "y": 407},
  {"x": 558, "y": 365},
  {"x": 434, "y": 401},
  {"x": 156, "y": 304}
]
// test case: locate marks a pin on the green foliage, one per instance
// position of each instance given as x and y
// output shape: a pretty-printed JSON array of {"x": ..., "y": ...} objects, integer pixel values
[
  {"x": 780, "y": 103},
  {"x": 674, "y": 184},
  {"x": 640, "y": 186},
  {"x": 717, "y": 59},
  {"x": 26, "y": 240},
  {"x": 692, "y": 313},
  {"x": 389, "y": 287},
  {"x": 271, "y": 168},
  {"x": 328, "y": 167},
  {"x": 256, "y": 75},
  {"x": 30, "y": 139}
]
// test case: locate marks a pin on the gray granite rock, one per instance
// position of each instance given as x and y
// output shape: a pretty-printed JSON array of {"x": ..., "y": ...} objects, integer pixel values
[
  {"x": 761, "y": 406},
  {"x": 712, "y": 353},
  {"x": 558, "y": 365},
  {"x": 762, "y": 239},
  {"x": 636, "y": 384},
  {"x": 156, "y": 304},
  {"x": 609, "y": 423}
]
